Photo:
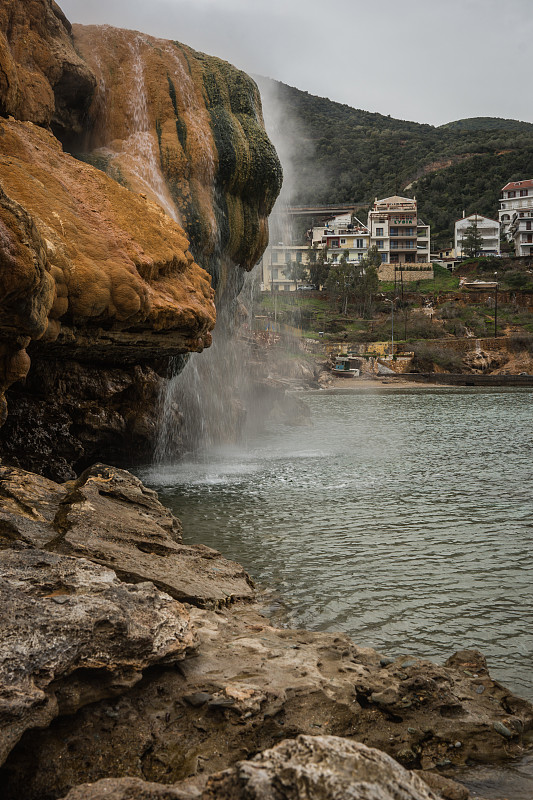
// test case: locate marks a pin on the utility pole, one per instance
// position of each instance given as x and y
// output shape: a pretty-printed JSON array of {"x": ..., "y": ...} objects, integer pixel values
[
  {"x": 392, "y": 326},
  {"x": 496, "y": 311},
  {"x": 392, "y": 331}
]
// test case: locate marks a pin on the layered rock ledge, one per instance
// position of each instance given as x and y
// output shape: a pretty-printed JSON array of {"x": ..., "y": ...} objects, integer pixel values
[{"x": 219, "y": 683}]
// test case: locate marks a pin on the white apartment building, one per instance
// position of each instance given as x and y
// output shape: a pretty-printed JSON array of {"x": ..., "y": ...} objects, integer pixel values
[
  {"x": 401, "y": 238},
  {"x": 489, "y": 230},
  {"x": 340, "y": 234},
  {"x": 517, "y": 196},
  {"x": 521, "y": 232},
  {"x": 275, "y": 263}
]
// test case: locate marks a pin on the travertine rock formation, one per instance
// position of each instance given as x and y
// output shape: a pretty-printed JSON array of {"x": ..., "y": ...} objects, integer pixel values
[
  {"x": 86, "y": 264},
  {"x": 98, "y": 277},
  {"x": 163, "y": 110}
]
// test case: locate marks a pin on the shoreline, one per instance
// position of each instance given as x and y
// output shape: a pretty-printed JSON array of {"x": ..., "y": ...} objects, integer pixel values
[{"x": 432, "y": 381}]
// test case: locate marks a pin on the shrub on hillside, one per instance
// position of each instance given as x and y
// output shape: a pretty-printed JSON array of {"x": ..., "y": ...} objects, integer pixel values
[{"x": 427, "y": 356}]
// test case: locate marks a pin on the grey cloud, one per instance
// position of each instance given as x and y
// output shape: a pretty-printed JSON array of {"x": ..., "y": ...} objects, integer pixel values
[{"x": 425, "y": 60}]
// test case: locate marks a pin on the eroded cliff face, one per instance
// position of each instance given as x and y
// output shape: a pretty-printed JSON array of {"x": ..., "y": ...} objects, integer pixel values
[{"x": 106, "y": 277}]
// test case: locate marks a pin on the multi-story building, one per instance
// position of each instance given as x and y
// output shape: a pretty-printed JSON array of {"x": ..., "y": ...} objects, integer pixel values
[
  {"x": 402, "y": 239},
  {"x": 517, "y": 196},
  {"x": 521, "y": 232},
  {"x": 275, "y": 267},
  {"x": 340, "y": 234},
  {"x": 488, "y": 229}
]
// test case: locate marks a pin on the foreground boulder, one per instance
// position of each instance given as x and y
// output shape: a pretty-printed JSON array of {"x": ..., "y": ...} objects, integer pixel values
[
  {"x": 308, "y": 768},
  {"x": 72, "y": 633}
]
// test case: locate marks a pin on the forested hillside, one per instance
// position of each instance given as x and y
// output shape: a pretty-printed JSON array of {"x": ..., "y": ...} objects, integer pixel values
[{"x": 350, "y": 155}]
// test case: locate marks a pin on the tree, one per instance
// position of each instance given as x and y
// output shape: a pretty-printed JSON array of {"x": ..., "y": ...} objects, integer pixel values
[
  {"x": 341, "y": 280},
  {"x": 472, "y": 241},
  {"x": 318, "y": 266},
  {"x": 366, "y": 282},
  {"x": 295, "y": 271}
]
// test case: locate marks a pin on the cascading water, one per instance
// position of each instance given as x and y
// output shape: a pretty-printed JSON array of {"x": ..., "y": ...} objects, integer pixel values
[
  {"x": 204, "y": 403},
  {"x": 140, "y": 148}
]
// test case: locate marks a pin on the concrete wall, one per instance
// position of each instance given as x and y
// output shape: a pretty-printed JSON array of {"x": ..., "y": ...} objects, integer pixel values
[{"x": 411, "y": 273}]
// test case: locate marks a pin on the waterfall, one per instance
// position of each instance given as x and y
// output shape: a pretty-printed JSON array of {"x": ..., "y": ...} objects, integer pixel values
[
  {"x": 196, "y": 117},
  {"x": 209, "y": 397},
  {"x": 140, "y": 148},
  {"x": 203, "y": 403}
]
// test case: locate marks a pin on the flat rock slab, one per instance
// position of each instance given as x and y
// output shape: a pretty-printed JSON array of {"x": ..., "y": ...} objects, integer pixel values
[
  {"x": 251, "y": 685},
  {"x": 71, "y": 633},
  {"x": 109, "y": 517}
]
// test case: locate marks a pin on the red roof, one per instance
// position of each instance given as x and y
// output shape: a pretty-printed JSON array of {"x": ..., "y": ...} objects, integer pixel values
[{"x": 519, "y": 185}]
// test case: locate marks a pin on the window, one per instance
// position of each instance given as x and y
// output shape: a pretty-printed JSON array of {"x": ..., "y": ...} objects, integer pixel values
[
  {"x": 409, "y": 258},
  {"x": 343, "y": 241},
  {"x": 512, "y": 194},
  {"x": 274, "y": 274},
  {"x": 383, "y": 258},
  {"x": 359, "y": 243},
  {"x": 523, "y": 192},
  {"x": 379, "y": 244},
  {"x": 528, "y": 226},
  {"x": 379, "y": 231}
]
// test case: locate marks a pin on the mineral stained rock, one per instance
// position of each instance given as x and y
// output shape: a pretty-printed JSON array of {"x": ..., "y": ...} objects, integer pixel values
[
  {"x": 88, "y": 266},
  {"x": 109, "y": 517},
  {"x": 306, "y": 768},
  {"x": 197, "y": 121},
  {"x": 72, "y": 633}
]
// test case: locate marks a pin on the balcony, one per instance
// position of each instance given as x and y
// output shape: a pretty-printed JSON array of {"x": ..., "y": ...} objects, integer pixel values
[{"x": 402, "y": 245}]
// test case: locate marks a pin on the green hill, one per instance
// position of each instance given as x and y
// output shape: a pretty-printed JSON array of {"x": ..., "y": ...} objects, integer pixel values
[
  {"x": 344, "y": 154},
  {"x": 488, "y": 124}
]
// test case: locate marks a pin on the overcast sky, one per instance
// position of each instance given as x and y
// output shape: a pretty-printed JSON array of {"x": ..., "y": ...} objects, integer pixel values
[{"x": 424, "y": 60}]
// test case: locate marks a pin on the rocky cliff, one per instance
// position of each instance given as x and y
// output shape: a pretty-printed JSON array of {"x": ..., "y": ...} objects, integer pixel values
[{"x": 106, "y": 277}]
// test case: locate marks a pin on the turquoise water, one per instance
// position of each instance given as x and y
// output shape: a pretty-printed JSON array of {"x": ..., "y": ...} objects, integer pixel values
[{"x": 404, "y": 518}]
